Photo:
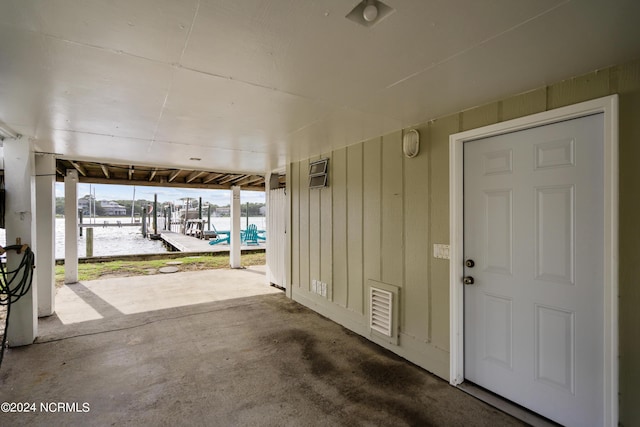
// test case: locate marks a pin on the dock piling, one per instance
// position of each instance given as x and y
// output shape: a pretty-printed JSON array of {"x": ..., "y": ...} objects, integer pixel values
[
  {"x": 144, "y": 222},
  {"x": 155, "y": 214},
  {"x": 89, "y": 242}
]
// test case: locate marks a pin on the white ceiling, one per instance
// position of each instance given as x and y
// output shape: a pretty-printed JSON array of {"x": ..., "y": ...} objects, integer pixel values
[{"x": 247, "y": 85}]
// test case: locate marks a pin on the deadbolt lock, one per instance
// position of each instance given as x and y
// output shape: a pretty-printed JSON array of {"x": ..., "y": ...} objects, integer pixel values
[
  {"x": 468, "y": 280},
  {"x": 469, "y": 263}
]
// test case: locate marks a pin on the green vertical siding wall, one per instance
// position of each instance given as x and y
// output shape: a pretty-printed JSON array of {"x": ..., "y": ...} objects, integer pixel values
[
  {"x": 382, "y": 214},
  {"x": 355, "y": 230},
  {"x": 626, "y": 81}
]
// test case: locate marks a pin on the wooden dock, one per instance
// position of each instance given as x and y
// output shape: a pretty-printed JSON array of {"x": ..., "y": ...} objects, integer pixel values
[
  {"x": 109, "y": 224},
  {"x": 185, "y": 243}
]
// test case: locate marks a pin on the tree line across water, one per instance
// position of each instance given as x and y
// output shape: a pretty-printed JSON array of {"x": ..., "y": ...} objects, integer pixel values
[{"x": 254, "y": 209}]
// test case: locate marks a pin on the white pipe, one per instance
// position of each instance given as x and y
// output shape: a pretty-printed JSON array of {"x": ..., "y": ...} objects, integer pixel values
[{"x": 6, "y": 133}]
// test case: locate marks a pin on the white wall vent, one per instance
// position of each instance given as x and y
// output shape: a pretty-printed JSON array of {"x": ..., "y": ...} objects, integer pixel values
[
  {"x": 381, "y": 315},
  {"x": 319, "y": 174},
  {"x": 383, "y": 312}
]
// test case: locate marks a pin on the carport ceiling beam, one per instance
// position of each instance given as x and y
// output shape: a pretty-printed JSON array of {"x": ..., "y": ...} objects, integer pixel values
[
  {"x": 257, "y": 179},
  {"x": 79, "y": 168},
  {"x": 105, "y": 171},
  {"x": 194, "y": 175},
  {"x": 130, "y": 172},
  {"x": 229, "y": 178},
  {"x": 174, "y": 174},
  {"x": 238, "y": 178},
  {"x": 211, "y": 177},
  {"x": 248, "y": 180},
  {"x": 153, "y": 174}
]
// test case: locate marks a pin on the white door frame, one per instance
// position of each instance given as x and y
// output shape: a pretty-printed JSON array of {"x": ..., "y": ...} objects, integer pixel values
[{"x": 609, "y": 107}]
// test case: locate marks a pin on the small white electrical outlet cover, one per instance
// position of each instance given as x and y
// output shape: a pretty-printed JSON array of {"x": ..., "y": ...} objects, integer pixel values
[
  {"x": 324, "y": 289},
  {"x": 314, "y": 286},
  {"x": 441, "y": 251}
]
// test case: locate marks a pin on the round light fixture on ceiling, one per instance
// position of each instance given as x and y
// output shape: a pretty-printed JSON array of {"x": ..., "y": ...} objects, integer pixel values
[
  {"x": 411, "y": 143},
  {"x": 370, "y": 12}
]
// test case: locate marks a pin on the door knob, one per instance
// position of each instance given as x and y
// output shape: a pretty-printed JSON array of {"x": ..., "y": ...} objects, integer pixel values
[
  {"x": 468, "y": 280},
  {"x": 469, "y": 263}
]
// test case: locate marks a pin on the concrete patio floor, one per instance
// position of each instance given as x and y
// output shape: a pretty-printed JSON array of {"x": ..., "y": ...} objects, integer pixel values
[{"x": 216, "y": 348}]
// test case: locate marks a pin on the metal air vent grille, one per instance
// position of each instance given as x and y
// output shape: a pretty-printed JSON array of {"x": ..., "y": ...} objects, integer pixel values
[{"x": 381, "y": 311}]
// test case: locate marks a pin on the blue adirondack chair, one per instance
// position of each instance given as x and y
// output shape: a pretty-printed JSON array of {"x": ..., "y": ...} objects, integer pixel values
[
  {"x": 220, "y": 240},
  {"x": 211, "y": 234},
  {"x": 250, "y": 235},
  {"x": 220, "y": 237}
]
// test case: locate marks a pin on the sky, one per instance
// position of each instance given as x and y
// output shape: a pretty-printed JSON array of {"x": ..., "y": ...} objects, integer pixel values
[{"x": 165, "y": 194}]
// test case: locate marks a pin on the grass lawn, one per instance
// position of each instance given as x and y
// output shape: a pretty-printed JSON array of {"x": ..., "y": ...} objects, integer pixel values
[{"x": 92, "y": 271}]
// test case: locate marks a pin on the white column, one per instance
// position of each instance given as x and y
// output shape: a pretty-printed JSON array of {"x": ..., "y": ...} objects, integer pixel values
[
  {"x": 234, "y": 253},
  {"x": 268, "y": 253},
  {"x": 45, "y": 237},
  {"x": 71, "y": 227},
  {"x": 19, "y": 221},
  {"x": 287, "y": 226}
]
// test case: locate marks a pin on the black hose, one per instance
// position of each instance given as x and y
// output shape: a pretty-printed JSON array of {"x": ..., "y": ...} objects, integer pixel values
[{"x": 10, "y": 290}]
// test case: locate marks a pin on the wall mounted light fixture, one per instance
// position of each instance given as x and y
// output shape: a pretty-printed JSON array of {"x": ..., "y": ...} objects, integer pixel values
[
  {"x": 411, "y": 143},
  {"x": 369, "y": 12}
]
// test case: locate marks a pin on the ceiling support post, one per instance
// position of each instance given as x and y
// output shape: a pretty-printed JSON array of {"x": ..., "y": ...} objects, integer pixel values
[
  {"x": 234, "y": 253},
  {"x": 71, "y": 227},
  {"x": 45, "y": 237},
  {"x": 20, "y": 225}
]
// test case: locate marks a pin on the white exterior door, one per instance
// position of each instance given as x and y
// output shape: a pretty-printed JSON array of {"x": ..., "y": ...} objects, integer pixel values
[{"x": 534, "y": 229}]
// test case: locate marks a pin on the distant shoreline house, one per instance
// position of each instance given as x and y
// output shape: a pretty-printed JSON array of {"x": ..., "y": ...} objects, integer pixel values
[
  {"x": 107, "y": 207},
  {"x": 112, "y": 208},
  {"x": 223, "y": 211},
  {"x": 84, "y": 203}
]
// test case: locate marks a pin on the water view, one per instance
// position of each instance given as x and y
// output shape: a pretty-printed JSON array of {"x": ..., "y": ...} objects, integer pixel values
[{"x": 128, "y": 239}]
